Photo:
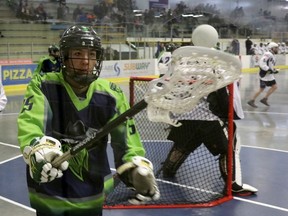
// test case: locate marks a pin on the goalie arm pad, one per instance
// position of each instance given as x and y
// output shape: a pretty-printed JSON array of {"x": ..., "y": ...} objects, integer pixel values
[
  {"x": 138, "y": 174},
  {"x": 39, "y": 156}
]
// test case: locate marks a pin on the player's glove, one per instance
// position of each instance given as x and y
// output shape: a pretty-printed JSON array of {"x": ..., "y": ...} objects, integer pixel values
[
  {"x": 39, "y": 156},
  {"x": 274, "y": 71},
  {"x": 139, "y": 176}
]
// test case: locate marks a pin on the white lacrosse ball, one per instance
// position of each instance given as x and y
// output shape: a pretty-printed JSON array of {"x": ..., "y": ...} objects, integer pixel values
[{"x": 205, "y": 36}]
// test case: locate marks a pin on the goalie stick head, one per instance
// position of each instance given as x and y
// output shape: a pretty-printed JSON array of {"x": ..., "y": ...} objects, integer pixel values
[{"x": 195, "y": 72}]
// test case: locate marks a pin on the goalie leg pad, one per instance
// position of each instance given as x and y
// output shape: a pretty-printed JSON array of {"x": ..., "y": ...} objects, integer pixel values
[
  {"x": 238, "y": 188},
  {"x": 174, "y": 160}
]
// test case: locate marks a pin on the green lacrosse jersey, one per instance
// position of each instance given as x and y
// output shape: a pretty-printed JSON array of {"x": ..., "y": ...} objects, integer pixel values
[
  {"x": 48, "y": 64},
  {"x": 51, "y": 108}
]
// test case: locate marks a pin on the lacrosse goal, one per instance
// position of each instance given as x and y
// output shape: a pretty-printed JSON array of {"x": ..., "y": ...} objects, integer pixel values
[{"x": 198, "y": 182}]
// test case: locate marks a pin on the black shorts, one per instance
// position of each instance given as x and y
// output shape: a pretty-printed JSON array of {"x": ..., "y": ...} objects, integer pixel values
[
  {"x": 264, "y": 84},
  {"x": 192, "y": 133}
]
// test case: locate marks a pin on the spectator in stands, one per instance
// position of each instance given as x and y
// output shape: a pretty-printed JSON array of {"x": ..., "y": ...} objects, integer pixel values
[
  {"x": 25, "y": 13},
  {"x": 62, "y": 11},
  {"x": 248, "y": 45},
  {"x": 41, "y": 13},
  {"x": 32, "y": 11},
  {"x": 77, "y": 12},
  {"x": 82, "y": 18},
  {"x": 1, "y": 35}
]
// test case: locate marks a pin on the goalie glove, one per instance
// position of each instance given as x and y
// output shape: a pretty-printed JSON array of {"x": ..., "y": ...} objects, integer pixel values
[
  {"x": 39, "y": 156},
  {"x": 139, "y": 175}
]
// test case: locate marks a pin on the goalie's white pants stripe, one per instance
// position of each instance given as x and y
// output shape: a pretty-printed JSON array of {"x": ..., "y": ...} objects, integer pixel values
[{"x": 237, "y": 167}]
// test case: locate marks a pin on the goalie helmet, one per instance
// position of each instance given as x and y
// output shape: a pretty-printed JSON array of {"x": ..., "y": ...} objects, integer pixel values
[{"x": 81, "y": 37}]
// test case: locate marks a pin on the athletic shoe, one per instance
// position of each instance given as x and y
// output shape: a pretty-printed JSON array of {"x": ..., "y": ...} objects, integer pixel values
[
  {"x": 244, "y": 190},
  {"x": 264, "y": 101},
  {"x": 251, "y": 103}
]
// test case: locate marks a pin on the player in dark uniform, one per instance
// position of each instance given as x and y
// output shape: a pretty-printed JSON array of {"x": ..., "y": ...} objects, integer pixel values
[
  {"x": 61, "y": 109},
  {"x": 50, "y": 63}
]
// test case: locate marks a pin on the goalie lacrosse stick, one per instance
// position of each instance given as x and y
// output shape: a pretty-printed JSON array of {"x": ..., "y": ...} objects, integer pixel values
[{"x": 194, "y": 72}]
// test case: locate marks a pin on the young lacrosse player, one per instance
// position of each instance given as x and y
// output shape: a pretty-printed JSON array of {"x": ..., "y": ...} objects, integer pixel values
[
  {"x": 266, "y": 74},
  {"x": 207, "y": 123},
  {"x": 50, "y": 63},
  {"x": 3, "y": 98},
  {"x": 61, "y": 109}
]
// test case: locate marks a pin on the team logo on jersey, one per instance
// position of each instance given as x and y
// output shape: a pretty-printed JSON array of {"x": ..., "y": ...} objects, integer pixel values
[{"x": 116, "y": 88}]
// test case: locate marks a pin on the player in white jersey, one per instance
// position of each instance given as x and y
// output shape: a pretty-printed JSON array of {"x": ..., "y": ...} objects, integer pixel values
[
  {"x": 261, "y": 49},
  {"x": 3, "y": 98},
  {"x": 282, "y": 48},
  {"x": 266, "y": 74},
  {"x": 165, "y": 58}
]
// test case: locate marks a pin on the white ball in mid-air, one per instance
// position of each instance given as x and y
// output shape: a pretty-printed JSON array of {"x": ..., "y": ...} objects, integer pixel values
[{"x": 205, "y": 35}]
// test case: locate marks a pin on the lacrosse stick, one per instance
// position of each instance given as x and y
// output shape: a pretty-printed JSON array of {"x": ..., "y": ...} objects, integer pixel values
[{"x": 194, "y": 72}]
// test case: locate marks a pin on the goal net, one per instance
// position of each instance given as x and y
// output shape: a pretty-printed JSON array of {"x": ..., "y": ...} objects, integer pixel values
[{"x": 199, "y": 181}]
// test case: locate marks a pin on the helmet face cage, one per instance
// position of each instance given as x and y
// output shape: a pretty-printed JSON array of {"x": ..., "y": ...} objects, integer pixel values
[{"x": 80, "y": 37}]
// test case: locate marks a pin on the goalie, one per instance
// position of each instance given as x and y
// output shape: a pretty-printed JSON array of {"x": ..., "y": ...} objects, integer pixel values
[
  {"x": 207, "y": 124},
  {"x": 59, "y": 111}
]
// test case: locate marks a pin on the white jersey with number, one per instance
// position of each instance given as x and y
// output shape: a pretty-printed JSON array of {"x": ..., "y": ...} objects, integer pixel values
[
  {"x": 163, "y": 62},
  {"x": 267, "y": 62}
]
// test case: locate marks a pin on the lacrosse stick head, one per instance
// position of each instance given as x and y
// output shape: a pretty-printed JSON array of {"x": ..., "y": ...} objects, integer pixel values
[{"x": 194, "y": 73}]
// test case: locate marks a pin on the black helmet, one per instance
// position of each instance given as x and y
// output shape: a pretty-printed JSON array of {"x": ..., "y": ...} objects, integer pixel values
[
  {"x": 170, "y": 47},
  {"x": 80, "y": 36},
  {"x": 52, "y": 49}
]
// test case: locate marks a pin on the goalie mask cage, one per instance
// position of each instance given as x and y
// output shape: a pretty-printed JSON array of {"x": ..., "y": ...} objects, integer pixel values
[{"x": 197, "y": 183}]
